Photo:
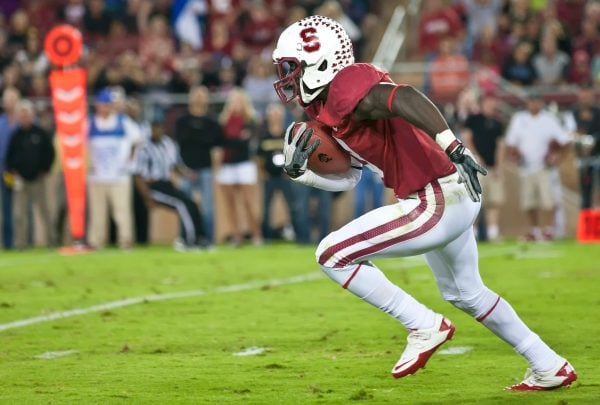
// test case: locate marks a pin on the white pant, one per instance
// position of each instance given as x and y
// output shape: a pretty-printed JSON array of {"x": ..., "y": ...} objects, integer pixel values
[{"x": 436, "y": 221}]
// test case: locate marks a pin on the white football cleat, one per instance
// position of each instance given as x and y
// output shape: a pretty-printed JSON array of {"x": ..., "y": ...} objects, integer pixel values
[
  {"x": 421, "y": 345},
  {"x": 560, "y": 376}
]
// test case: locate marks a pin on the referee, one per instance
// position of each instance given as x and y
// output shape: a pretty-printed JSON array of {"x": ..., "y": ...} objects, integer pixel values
[{"x": 154, "y": 161}]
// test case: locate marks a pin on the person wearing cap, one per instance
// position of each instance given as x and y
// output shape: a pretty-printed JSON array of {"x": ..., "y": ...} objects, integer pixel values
[
  {"x": 112, "y": 137},
  {"x": 535, "y": 139}
]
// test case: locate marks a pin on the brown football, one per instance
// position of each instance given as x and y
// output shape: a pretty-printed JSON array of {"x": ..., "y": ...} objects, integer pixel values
[{"x": 329, "y": 157}]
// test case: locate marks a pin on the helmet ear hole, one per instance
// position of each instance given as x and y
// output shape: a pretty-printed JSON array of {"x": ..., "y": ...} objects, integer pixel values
[{"x": 323, "y": 66}]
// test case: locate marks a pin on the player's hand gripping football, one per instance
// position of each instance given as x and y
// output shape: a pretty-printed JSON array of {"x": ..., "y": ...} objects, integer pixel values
[
  {"x": 468, "y": 168},
  {"x": 295, "y": 151}
]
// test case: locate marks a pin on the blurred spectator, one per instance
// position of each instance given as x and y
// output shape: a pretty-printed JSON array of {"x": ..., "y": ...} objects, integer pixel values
[
  {"x": 5, "y": 58},
  {"x": 131, "y": 15},
  {"x": 73, "y": 13},
  {"x": 111, "y": 139},
  {"x": 258, "y": 83},
  {"x": 551, "y": 65},
  {"x": 258, "y": 28},
  {"x": 481, "y": 16},
  {"x": 370, "y": 187},
  {"x": 570, "y": 14},
  {"x": 580, "y": 72},
  {"x": 333, "y": 10},
  {"x": 449, "y": 72},
  {"x": 316, "y": 213},
  {"x": 96, "y": 20},
  {"x": 32, "y": 59},
  {"x": 589, "y": 39},
  {"x": 156, "y": 44},
  {"x": 19, "y": 25},
  {"x": 154, "y": 162},
  {"x": 8, "y": 124},
  {"x": 483, "y": 135},
  {"x": 118, "y": 41},
  {"x": 437, "y": 22},
  {"x": 488, "y": 48},
  {"x": 197, "y": 134},
  {"x": 135, "y": 111},
  {"x": 294, "y": 14},
  {"x": 518, "y": 68},
  {"x": 271, "y": 161},
  {"x": 535, "y": 139},
  {"x": 587, "y": 141},
  {"x": 237, "y": 175},
  {"x": 187, "y": 58},
  {"x": 29, "y": 158}
]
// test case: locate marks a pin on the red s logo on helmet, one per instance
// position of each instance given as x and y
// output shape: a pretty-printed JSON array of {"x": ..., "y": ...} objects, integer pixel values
[{"x": 312, "y": 41}]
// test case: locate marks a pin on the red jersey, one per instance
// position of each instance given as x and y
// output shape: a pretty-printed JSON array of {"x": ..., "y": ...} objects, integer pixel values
[{"x": 403, "y": 155}]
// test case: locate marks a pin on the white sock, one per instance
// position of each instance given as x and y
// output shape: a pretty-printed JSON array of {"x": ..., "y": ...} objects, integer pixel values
[
  {"x": 371, "y": 285},
  {"x": 506, "y": 324}
]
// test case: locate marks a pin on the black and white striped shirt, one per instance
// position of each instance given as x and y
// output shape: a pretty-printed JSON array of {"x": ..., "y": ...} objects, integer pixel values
[{"x": 155, "y": 160}]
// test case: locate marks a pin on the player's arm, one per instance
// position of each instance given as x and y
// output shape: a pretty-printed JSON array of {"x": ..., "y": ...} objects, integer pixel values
[{"x": 388, "y": 100}]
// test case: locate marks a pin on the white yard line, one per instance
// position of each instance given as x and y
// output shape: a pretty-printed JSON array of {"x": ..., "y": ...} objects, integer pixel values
[
  {"x": 55, "y": 355},
  {"x": 251, "y": 351},
  {"x": 160, "y": 297}
]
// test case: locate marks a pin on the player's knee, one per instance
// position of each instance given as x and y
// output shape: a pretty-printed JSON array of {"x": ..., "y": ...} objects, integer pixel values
[
  {"x": 476, "y": 303},
  {"x": 326, "y": 253}
]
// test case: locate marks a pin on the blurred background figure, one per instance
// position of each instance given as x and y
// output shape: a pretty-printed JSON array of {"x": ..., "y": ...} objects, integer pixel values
[
  {"x": 8, "y": 123},
  {"x": 587, "y": 143},
  {"x": 368, "y": 193},
  {"x": 483, "y": 134},
  {"x": 197, "y": 134},
  {"x": 135, "y": 112},
  {"x": 237, "y": 175},
  {"x": 155, "y": 161},
  {"x": 29, "y": 158},
  {"x": 270, "y": 152},
  {"x": 535, "y": 139},
  {"x": 111, "y": 138}
]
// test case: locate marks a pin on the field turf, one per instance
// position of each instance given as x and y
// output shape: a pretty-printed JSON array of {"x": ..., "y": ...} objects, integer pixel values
[{"x": 320, "y": 344}]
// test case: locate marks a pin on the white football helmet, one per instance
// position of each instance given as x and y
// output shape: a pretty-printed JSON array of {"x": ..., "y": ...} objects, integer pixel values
[{"x": 308, "y": 55}]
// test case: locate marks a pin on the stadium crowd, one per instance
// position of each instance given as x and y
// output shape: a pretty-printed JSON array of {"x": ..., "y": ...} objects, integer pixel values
[{"x": 154, "y": 71}]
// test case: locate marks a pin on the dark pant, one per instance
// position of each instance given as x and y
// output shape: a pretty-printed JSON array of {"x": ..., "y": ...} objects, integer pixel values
[
  {"x": 323, "y": 211},
  {"x": 589, "y": 178},
  {"x": 165, "y": 193},
  {"x": 283, "y": 185},
  {"x": 7, "y": 215}
]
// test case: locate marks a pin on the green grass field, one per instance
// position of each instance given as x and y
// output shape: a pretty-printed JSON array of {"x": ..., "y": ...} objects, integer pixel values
[{"x": 322, "y": 345}]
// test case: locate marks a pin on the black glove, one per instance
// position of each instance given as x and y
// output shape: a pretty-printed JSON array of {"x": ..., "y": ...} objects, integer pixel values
[
  {"x": 467, "y": 168},
  {"x": 295, "y": 151}
]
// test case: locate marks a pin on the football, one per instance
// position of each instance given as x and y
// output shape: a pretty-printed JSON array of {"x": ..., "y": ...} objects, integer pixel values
[{"x": 329, "y": 157}]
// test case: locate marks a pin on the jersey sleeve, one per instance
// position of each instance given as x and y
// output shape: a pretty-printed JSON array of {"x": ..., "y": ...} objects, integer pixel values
[{"x": 347, "y": 89}]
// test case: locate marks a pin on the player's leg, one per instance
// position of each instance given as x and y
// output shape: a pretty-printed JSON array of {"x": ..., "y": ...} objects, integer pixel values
[
  {"x": 98, "y": 214},
  {"x": 409, "y": 227},
  {"x": 121, "y": 208},
  {"x": 456, "y": 270}
]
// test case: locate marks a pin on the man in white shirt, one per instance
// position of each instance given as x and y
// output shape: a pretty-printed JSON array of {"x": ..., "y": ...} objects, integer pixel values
[
  {"x": 111, "y": 139},
  {"x": 535, "y": 140}
]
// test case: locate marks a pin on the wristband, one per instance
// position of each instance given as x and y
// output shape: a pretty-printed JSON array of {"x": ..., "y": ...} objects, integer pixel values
[{"x": 447, "y": 141}]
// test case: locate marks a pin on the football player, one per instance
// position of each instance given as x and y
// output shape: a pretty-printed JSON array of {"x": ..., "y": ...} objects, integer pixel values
[{"x": 398, "y": 133}]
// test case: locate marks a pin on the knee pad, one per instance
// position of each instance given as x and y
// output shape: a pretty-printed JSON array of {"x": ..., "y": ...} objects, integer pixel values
[{"x": 477, "y": 304}]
